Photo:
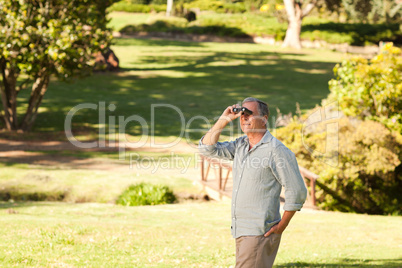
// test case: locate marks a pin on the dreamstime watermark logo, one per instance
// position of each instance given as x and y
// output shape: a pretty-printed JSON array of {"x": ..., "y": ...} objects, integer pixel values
[{"x": 112, "y": 131}]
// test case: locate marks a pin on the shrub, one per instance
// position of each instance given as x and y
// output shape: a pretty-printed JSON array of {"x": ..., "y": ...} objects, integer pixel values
[
  {"x": 233, "y": 8},
  {"x": 146, "y": 194},
  {"x": 180, "y": 25},
  {"x": 351, "y": 33},
  {"x": 218, "y": 30},
  {"x": 367, "y": 174},
  {"x": 371, "y": 88},
  {"x": 211, "y": 5},
  {"x": 367, "y": 177},
  {"x": 136, "y": 8}
]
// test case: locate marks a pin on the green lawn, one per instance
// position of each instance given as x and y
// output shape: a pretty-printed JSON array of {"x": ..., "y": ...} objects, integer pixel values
[
  {"x": 260, "y": 24},
  {"x": 89, "y": 182},
  {"x": 183, "y": 235},
  {"x": 200, "y": 79},
  {"x": 120, "y": 19}
]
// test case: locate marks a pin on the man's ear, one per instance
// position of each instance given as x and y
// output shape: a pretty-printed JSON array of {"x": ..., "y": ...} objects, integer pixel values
[{"x": 265, "y": 120}]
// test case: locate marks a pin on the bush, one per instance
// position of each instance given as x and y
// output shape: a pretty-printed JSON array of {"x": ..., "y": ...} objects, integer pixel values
[
  {"x": 146, "y": 194},
  {"x": 371, "y": 88},
  {"x": 367, "y": 174},
  {"x": 367, "y": 178},
  {"x": 211, "y": 5},
  {"x": 233, "y": 8},
  {"x": 351, "y": 33},
  {"x": 180, "y": 25},
  {"x": 218, "y": 30},
  {"x": 136, "y": 8}
]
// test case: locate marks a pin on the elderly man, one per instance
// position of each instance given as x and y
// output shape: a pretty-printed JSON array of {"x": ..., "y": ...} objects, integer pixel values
[{"x": 261, "y": 166}]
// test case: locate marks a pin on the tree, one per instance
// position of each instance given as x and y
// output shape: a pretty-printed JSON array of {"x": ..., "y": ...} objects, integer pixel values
[
  {"x": 169, "y": 8},
  {"x": 296, "y": 10},
  {"x": 41, "y": 38}
]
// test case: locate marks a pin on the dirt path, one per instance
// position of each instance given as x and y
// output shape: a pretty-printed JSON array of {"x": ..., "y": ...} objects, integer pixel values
[
  {"x": 46, "y": 153},
  {"x": 32, "y": 153}
]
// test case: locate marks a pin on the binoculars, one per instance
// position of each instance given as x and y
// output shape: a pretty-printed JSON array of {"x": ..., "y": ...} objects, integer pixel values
[{"x": 243, "y": 110}]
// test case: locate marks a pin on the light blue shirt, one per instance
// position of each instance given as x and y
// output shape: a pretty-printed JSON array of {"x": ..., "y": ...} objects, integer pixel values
[{"x": 258, "y": 177}]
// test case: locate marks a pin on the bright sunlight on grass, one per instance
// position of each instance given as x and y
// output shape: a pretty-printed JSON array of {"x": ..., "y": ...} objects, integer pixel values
[
  {"x": 197, "y": 78},
  {"x": 184, "y": 235}
]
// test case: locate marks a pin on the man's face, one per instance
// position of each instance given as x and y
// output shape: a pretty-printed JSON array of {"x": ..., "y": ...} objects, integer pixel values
[{"x": 254, "y": 122}]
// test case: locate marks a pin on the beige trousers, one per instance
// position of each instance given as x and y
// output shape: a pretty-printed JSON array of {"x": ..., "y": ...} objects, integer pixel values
[{"x": 257, "y": 251}]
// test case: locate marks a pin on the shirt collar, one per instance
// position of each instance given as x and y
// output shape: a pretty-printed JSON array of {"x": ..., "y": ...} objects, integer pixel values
[{"x": 265, "y": 139}]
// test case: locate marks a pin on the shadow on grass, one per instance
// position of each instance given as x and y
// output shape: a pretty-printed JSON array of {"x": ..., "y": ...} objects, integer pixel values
[
  {"x": 165, "y": 27},
  {"x": 198, "y": 81},
  {"x": 155, "y": 42},
  {"x": 8, "y": 205},
  {"x": 349, "y": 263}
]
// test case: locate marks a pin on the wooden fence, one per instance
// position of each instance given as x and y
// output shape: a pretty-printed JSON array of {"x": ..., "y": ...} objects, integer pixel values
[{"x": 206, "y": 164}]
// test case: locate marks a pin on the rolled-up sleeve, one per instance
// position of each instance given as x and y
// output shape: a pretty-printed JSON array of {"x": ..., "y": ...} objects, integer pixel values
[
  {"x": 286, "y": 171},
  {"x": 223, "y": 150}
]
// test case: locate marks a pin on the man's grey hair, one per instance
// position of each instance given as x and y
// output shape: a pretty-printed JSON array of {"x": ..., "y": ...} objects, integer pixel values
[{"x": 262, "y": 106}]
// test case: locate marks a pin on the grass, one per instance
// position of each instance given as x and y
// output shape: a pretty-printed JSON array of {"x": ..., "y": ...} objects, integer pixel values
[
  {"x": 120, "y": 19},
  {"x": 200, "y": 79},
  {"x": 260, "y": 24},
  {"x": 183, "y": 235},
  {"x": 72, "y": 184}
]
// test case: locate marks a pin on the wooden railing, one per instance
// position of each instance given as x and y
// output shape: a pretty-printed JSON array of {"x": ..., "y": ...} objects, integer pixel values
[
  {"x": 214, "y": 162},
  {"x": 223, "y": 165},
  {"x": 307, "y": 174}
]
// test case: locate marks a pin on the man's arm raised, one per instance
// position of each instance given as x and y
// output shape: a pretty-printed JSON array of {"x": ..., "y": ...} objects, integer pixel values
[{"x": 213, "y": 134}]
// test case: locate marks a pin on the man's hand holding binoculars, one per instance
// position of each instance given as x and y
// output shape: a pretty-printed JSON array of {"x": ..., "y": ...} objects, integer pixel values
[
  {"x": 230, "y": 114},
  {"x": 234, "y": 111}
]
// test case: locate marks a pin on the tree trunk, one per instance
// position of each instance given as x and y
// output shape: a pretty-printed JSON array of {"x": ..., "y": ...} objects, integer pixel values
[
  {"x": 38, "y": 91},
  {"x": 294, "y": 12},
  {"x": 295, "y": 15},
  {"x": 9, "y": 92},
  {"x": 169, "y": 8},
  {"x": 9, "y": 97}
]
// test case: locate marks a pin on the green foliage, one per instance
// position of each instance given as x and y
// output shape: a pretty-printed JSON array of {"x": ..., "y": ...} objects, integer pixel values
[
  {"x": 217, "y": 6},
  {"x": 357, "y": 10},
  {"x": 373, "y": 11},
  {"x": 136, "y": 8},
  {"x": 146, "y": 194},
  {"x": 144, "y": 6},
  {"x": 43, "y": 38},
  {"x": 371, "y": 88},
  {"x": 351, "y": 33},
  {"x": 233, "y": 8},
  {"x": 366, "y": 178},
  {"x": 314, "y": 28},
  {"x": 180, "y": 25},
  {"x": 212, "y": 5},
  {"x": 57, "y": 35}
]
